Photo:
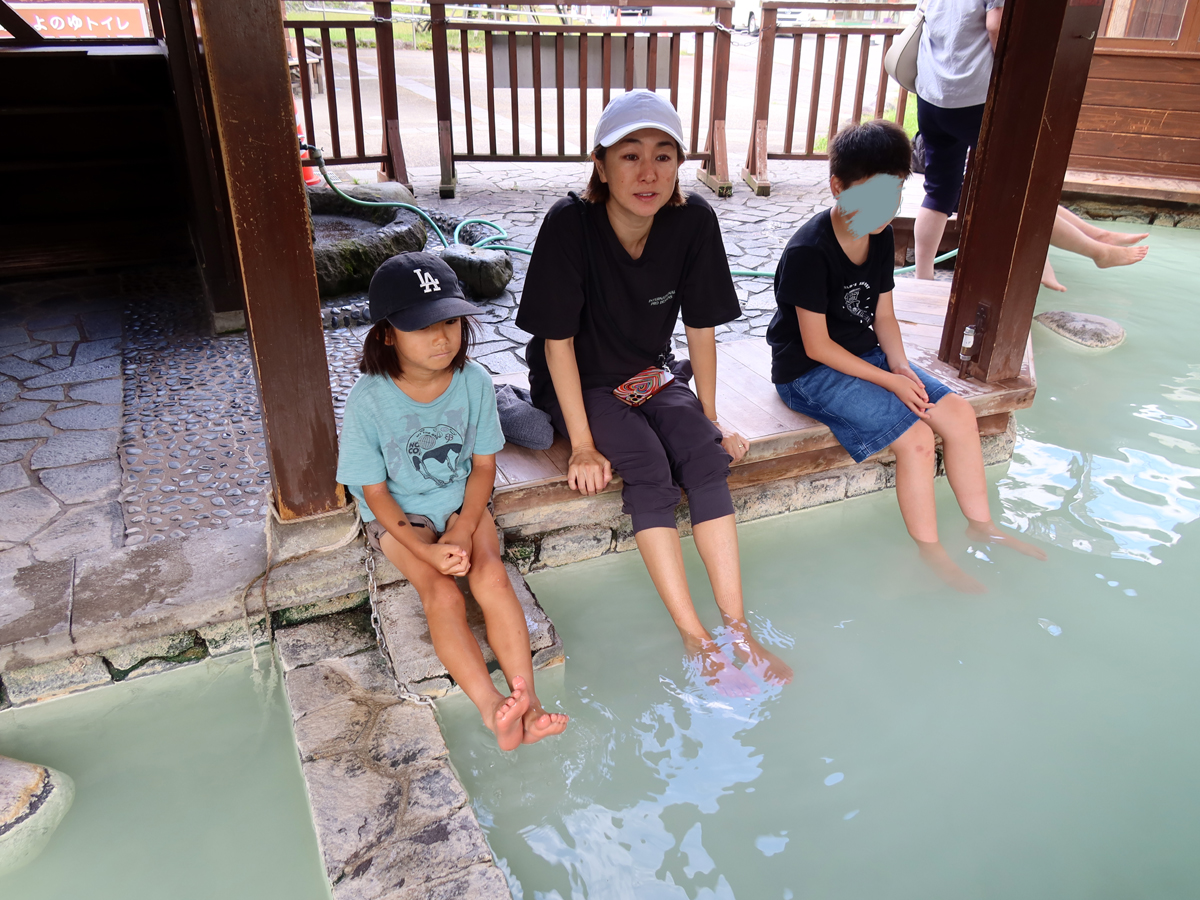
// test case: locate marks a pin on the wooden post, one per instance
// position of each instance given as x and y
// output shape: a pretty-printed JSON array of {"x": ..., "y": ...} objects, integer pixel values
[
  {"x": 755, "y": 173},
  {"x": 715, "y": 170},
  {"x": 212, "y": 226},
  {"x": 394, "y": 168},
  {"x": 252, "y": 99},
  {"x": 441, "y": 87},
  {"x": 1040, "y": 71}
]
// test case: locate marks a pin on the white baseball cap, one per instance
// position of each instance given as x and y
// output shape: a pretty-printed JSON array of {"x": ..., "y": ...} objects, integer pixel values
[{"x": 633, "y": 111}]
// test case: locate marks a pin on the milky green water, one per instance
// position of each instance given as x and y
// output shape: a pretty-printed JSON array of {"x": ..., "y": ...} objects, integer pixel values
[
  {"x": 1041, "y": 741},
  {"x": 188, "y": 787}
]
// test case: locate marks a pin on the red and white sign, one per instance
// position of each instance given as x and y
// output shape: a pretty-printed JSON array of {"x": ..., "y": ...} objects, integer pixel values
[{"x": 85, "y": 20}]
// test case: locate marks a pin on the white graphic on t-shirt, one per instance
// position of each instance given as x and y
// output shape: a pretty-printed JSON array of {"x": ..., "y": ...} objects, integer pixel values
[
  {"x": 427, "y": 281},
  {"x": 434, "y": 452},
  {"x": 659, "y": 301},
  {"x": 854, "y": 306}
]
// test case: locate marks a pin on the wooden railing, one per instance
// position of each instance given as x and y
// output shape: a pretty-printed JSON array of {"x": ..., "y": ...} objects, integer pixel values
[
  {"x": 572, "y": 62},
  {"x": 391, "y": 155},
  {"x": 811, "y": 42}
]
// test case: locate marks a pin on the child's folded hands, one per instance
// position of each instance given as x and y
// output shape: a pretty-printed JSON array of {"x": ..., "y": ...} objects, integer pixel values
[{"x": 449, "y": 559}]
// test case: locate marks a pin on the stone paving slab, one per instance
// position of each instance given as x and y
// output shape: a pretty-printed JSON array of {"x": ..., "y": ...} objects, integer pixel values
[
  {"x": 406, "y": 632},
  {"x": 392, "y": 818}
]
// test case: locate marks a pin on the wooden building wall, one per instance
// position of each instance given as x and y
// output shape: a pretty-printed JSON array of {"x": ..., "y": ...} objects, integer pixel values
[
  {"x": 1140, "y": 122},
  {"x": 1140, "y": 116}
]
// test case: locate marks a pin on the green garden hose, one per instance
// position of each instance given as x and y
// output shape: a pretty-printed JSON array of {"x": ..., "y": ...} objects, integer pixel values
[{"x": 501, "y": 234}]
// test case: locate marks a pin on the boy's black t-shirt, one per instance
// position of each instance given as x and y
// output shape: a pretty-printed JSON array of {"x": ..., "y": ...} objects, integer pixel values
[
  {"x": 814, "y": 273},
  {"x": 682, "y": 267}
]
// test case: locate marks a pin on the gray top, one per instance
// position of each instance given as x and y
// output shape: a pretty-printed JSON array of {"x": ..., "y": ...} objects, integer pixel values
[{"x": 954, "y": 63}]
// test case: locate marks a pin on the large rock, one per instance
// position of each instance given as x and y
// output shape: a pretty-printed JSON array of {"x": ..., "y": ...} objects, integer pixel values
[
  {"x": 33, "y": 801},
  {"x": 485, "y": 273},
  {"x": 1083, "y": 328},
  {"x": 322, "y": 201},
  {"x": 347, "y": 265}
]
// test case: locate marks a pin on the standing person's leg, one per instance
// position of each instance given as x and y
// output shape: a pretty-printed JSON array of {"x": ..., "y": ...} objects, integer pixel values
[
  {"x": 701, "y": 466},
  {"x": 455, "y": 645},
  {"x": 507, "y": 633},
  {"x": 949, "y": 134}
]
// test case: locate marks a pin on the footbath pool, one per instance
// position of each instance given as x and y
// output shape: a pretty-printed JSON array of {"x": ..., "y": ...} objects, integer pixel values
[
  {"x": 1034, "y": 742},
  {"x": 188, "y": 786}
]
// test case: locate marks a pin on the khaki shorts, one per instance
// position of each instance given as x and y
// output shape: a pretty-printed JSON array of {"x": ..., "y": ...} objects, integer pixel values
[{"x": 375, "y": 530}]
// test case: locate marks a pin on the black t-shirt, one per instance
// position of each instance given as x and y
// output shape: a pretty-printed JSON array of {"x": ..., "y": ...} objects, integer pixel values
[
  {"x": 814, "y": 273},
  {"x": 682, "y": 267}
]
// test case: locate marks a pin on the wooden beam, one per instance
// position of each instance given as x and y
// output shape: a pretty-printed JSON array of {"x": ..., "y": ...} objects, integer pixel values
[
  {"x": 252, "y": 100},
  {"x": 212, "y": 226},
  {"x": 23, "y": 33},
  {"x": 1038, "y": 79}
]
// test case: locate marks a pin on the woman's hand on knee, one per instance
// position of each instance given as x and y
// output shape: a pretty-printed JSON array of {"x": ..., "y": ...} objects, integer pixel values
[
  {"x": 735, "y": 445},
  {"x": 588, "y": 472}
]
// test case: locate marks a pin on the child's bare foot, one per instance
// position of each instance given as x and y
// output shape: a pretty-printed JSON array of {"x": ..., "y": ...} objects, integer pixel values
[
  {"x": 762, "y": 662},
  {"x": 1120, "y": 256},
  {"x": 1048, "y": 279},
  {"x": 541, "y": 724},
  {"x": 718, "y": 671},
  {"x": 1119, "y": 238},
  {"x": 934, "y": 555},
  {"x": 508, "y": 718},
  {"x": 989, "y": 531}
]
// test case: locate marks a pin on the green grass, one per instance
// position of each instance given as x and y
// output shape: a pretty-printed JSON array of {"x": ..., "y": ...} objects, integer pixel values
[{"x": 821, "y": 144}]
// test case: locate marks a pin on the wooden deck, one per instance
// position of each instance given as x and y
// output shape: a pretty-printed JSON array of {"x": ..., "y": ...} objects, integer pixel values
[{"x": 783, "y": 443}]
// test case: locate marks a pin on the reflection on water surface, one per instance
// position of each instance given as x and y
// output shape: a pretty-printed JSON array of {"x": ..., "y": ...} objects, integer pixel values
[{"x": 1035, "y": 742}]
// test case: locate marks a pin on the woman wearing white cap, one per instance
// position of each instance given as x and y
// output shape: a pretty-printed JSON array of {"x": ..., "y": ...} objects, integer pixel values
[{"x": 609, "y": 277}]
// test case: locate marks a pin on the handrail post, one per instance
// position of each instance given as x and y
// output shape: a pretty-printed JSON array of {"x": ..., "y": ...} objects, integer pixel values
[
  {"x": 715, "y": 170},
  {"x": 441, "y": 86},
  {"x": 385, "y": 54},
  {"x": 755, "y": 173}
]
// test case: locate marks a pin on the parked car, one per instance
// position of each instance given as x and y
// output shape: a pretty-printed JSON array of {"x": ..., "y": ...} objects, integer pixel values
[{"x": 751, "y": 14}]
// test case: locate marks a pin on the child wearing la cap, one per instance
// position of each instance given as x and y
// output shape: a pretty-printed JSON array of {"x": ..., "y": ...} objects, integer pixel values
[{"x": 418, "y": 449}]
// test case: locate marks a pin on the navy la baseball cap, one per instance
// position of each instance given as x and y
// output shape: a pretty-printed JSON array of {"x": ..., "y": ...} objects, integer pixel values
[{"x": 415, "y": 290}]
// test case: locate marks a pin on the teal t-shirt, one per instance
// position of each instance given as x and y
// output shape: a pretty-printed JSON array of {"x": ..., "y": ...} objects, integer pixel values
[{"x": 422, "y": 450}]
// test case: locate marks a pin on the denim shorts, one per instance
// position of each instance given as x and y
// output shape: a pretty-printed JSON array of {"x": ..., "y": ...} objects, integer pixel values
[{"x": 864, "y": 417}]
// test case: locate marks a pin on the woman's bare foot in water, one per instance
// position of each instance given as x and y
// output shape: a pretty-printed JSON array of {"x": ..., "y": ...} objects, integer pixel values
[
  {"x": 541, "y": 724},
  {"x": 991, "y": 532},
  {"x": 1119, "y": 238},
  {"x": 1048, "y": 279},
  {"x": 717, "y": 670},
  {"x": 934, "y": 555},
  {"x": 1119, "y": 256},
  {"x": 762, "y": 662},
  {"x": 507, "y": 718}
]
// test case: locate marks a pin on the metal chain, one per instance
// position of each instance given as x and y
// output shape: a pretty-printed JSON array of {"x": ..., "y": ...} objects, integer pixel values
[{"x": 402, "y": 688}]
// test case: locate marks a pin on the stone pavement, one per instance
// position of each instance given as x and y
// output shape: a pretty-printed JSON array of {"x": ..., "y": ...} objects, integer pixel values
[{"x": 60, "y": 418}]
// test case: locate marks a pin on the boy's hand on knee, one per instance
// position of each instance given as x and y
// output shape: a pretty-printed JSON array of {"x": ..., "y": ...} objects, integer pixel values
[
  {"x": 911, "y": 394},
  {"x": 448, "y": 559}
]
